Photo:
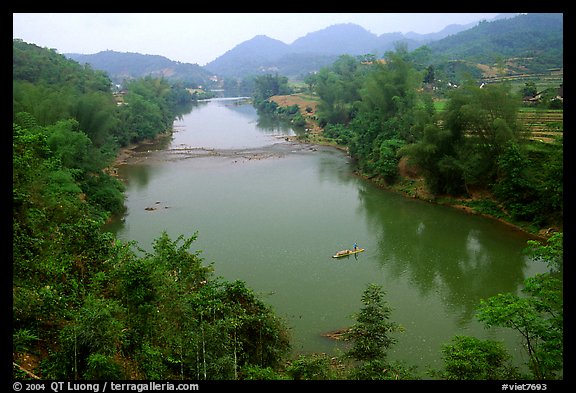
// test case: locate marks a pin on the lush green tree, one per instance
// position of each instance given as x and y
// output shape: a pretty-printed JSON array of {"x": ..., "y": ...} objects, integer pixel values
[
  {"x": 482, "y": 120},
  {"x": 469, "y": 358},
  {"x": 266, "y": 86},
  {"x": 386, "y": 115},
  {"x": 96, "y": 116},
  {"x": 311, "y": 80},
  {"x": 465, "y": 148},
  {"x": 434, "y": 155},
  {"x": 70, "y": 144},
  {"x": 338, "y": 87},
  {"x": 310, "y": 367},
  {"x": 147, "y": 112},
  {"x": 371, "y": 334},
  {"x": 538, "y": 315},
  {"x": 529, "y": 89},
  {"x": 371, "y": 338}
]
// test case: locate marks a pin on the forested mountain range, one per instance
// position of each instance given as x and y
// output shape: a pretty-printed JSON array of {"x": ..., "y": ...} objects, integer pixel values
[
  {"x": 125, "y": 66},
  {"x": 536, "y": 38},
  {"x": 317, "y": 49}
]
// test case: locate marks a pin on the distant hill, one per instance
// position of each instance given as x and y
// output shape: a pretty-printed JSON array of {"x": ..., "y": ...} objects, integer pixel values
[
  {"x": 120, "y": 66},
  {"x": 341, "y": 38},
  {"x": 316, "y": 49},
  {"x": 537, "y": 38}
]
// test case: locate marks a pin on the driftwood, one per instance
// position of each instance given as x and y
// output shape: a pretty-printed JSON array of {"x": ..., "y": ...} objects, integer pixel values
[{"x": 336, "y": 334}]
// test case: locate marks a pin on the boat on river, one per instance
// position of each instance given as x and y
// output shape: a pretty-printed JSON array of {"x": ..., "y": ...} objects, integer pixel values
[{"x": 345, "y": 253}]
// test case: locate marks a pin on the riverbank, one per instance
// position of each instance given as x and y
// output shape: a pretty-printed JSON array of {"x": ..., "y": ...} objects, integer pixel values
[
  {"x": 411, "y": 184},
  {"x": 124, "y": 154}
]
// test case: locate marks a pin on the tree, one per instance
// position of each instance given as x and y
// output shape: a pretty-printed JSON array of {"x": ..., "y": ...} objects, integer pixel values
[
  {"x": 529, "y": 89},
  {"x": 482, "y": 121},
  {"x": 338, "y": 87},
  {"x": 266, "y": 86},
  {"x": 386, "y": 115},
  {"x": 371, "y": 332},
  {"x": 468, "y": 358},
  {"x": 538, "y": 316},
  {"x": 371, "y": 338}
]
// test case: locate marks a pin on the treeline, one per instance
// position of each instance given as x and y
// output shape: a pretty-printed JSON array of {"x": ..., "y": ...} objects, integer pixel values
[
  {"x": 385, "y": 111},
  {"x": 73, "y": 110},
  {"x": 85, "y": 305}
]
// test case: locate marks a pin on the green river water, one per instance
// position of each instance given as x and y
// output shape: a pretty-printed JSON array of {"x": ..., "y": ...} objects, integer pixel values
[{"x": 272, "y": 213}]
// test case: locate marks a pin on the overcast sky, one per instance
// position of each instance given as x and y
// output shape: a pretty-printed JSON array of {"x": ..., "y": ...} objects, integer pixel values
[{"x": 202, "y": 37}]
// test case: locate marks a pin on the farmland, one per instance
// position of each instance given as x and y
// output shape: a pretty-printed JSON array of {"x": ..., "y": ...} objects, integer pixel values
[{"x": 544, "y": 125}]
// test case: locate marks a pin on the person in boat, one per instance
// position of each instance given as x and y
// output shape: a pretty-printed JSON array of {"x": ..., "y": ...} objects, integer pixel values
[{"x": 355, "y": 246}]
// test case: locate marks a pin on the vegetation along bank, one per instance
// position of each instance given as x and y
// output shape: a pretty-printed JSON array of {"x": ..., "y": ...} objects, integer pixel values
[{"x": 86, "y": 306}]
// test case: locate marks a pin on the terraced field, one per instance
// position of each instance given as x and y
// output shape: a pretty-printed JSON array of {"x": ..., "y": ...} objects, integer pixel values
[{"x": 542, "y": 125}]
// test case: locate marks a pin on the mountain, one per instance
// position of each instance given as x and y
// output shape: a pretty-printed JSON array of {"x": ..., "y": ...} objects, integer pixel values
[
  {"x": 341, "y": 38},
  {"x": 537, "y": 38},
  {"x": 445, "y": 32},
  {"x": 260, "y": 48},
  {"x": 306, "y": 54},
  {"x": 120, "y": 66},
  {"x": 315, "y": 50}
]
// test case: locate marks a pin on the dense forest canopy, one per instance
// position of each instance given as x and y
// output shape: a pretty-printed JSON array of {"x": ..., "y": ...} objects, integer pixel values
[{"x": 122, "y": 67}]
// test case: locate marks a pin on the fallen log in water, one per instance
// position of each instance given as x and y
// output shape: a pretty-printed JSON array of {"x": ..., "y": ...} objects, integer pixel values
[{"x": 336, "y": 334}]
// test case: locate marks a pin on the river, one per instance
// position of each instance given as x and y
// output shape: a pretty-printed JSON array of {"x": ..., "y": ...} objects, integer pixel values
[{"x": 272, "y": 213}]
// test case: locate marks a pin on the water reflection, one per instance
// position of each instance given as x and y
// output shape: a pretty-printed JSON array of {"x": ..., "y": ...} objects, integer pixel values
[{"x": 443, "y": 253}]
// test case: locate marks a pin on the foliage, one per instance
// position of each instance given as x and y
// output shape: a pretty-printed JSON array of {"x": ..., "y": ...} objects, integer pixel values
[
  {"x": 87, "y": 301},
  {"x": 339, "y": 133},
  {"x": 385, "y": 119},
  {"x": 378, "y": 369},
  {"x": 22, "y": 340},
  {"x": 531, "y": 187},
  {"x": 537, "y": 36},
  {"x": 147, "y": 110},
  {"x": 266, "y": 86},
  {"x": 469, "y": 358},
  {"x": 312, "y": 367},
  {"x": 371, "y": 338},
  {"x": 371, "y": 332},
  {"x": 338, "y": 87},
  {"x": 552, "y": 252},
  {"x": 465, "y": 149},
  {"x": 537, "y": 316},
  {"x": 253, "y": 372}
]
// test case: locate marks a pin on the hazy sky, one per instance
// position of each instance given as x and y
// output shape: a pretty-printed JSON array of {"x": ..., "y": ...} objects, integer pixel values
[{"x": 202, "y": 37}]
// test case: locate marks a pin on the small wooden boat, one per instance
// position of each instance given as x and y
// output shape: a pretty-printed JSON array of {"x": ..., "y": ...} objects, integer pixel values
[{"x": 345, "y": 253}]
